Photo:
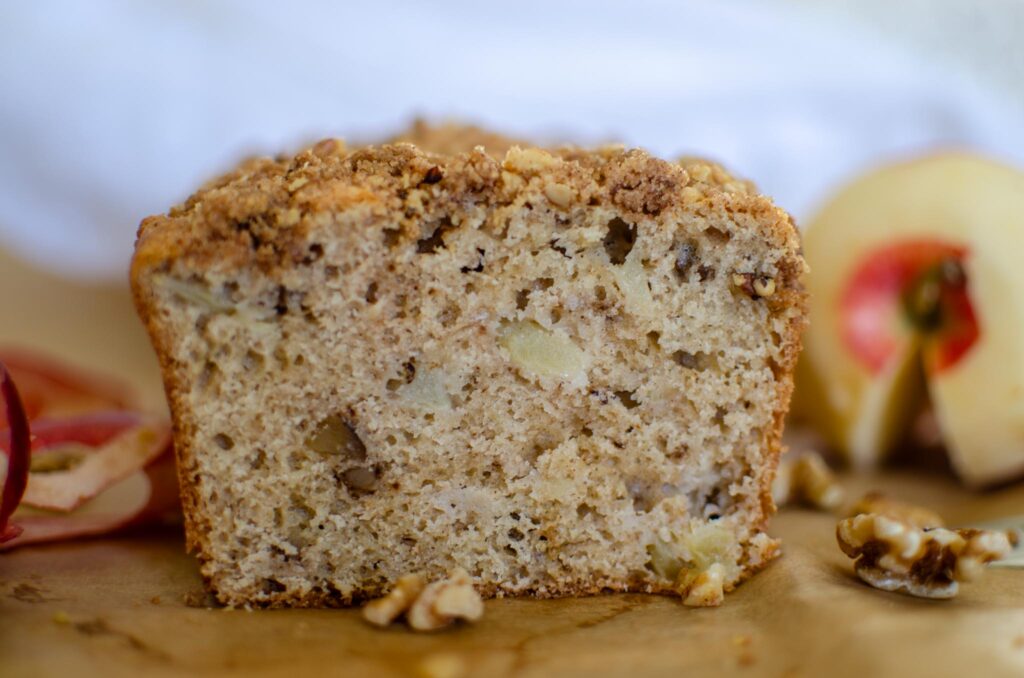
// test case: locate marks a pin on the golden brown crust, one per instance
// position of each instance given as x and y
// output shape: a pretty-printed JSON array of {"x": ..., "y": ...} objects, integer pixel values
[{"x": 259, "y": 214}]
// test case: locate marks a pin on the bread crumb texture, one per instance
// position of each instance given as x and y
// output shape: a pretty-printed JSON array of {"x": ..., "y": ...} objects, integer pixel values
[{"x": 558, "y": 369}]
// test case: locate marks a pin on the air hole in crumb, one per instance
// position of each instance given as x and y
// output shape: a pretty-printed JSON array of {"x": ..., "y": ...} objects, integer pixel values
[
  {"x": 332, "y": 272},
  {"x": 706, "y": 273},
  {"x": 281, "y": 307},
  {"x": 627, "y": 399},
  {"x": 717, "y": 234},
  {"x": 223, "y": 441},
  {"x": 719, "y": 417},
  {"x": 618, "y": 243},
  {"x": 393, "y": 384},
  {"x": 560, "y": 249},
  {"x": 259, "y": 460},
  {"x": 435, "y": 240},
  {"x": 316, "y": 250},
  {"x": 300, "y": 359},
  {"x": 273, "y": 586},
  {"x": 371, "y": 293},
  {"x": 511, "y": 551},
  {"x": 469, "y": 288},
  {"x": 601, "y": 293},
  {"x": 544, "y": 283},
  {"x": 207, "y": 376},
  {"x": 409, "y": 370},
  {"x": 252, "y": 361},
  {"x": 391, "y": 440},
  {"x": 698, "y": 361},
  {"x": 556, "y": 314},
  {"x": 515, "y": 534},
  {"x": 644, "y": 497},
  {"x": 586, "y": 432},
  {"x": 449, "y": 314},
  {"x": 654, "y": 339},
  {"x": 522, "y": 299},
  {"x": 392, "y": 237},
  {"x": 479, "y": 265},
  {"x": 584, "y": 510}
]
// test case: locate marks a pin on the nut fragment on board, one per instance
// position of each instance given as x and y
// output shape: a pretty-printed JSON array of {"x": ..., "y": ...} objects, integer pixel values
[
  {"x": 427, "y": 607},
  {"x": 807, "y": 480},
  {"x": 894, "y": 555},
  {"x": 442, "y": 602},
  {"x": 399, "y": 599},
  {"x": 912, "y": 514}
]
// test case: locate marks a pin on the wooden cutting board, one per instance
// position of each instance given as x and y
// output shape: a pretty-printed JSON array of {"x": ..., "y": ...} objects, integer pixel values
[{"x": 133, "y": 605}]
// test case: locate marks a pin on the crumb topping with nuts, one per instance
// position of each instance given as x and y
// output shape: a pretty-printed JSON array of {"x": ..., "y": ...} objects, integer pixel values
[
  {"x": 428, "y": 607},
  {"x": 894, "y": 555}
]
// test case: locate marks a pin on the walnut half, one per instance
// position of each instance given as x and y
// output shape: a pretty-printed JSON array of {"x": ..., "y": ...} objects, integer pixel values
[{"x": 895, "y": 555}]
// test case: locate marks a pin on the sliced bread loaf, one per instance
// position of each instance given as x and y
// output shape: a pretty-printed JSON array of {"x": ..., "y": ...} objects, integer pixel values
[{"x": 565, "y": 371}]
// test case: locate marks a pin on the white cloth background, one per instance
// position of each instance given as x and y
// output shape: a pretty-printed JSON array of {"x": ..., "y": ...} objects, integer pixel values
[{"x": 113, "y": 110}]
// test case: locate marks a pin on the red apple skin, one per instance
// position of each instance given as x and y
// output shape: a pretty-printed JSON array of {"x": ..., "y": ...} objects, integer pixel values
[{"x": 874, "y": 326}]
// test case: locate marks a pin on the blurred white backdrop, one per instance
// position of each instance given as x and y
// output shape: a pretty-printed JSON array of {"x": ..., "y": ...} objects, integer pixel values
[{"x": 113, "y": 110}]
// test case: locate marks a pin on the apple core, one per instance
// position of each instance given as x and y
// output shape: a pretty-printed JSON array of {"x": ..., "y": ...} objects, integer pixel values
[{"x": 906, "y": 291}]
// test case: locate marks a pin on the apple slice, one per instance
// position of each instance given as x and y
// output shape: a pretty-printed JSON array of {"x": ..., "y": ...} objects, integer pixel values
[
  {"x": 77, "y": 472},
  {"x": 916, "y": 270},
  {"x": 146, "y": 496}
]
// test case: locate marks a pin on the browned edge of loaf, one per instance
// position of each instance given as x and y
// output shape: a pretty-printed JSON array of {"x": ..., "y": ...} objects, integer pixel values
[{"x": 230, "y": 222}]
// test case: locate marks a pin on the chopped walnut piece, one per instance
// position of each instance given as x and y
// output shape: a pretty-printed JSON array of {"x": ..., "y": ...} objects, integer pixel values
[
  {"x": 918, "y": 516},
  {"x": 753, "y": 285},
  {"x": 383, "y": 611},
  {"x": 894, "y": 555},
  {"x": 427, "y": 607},
  {"x": 442, "y": 602},
  {"x": 807, "y": 480},
  {"x": 560, "y": 195}
]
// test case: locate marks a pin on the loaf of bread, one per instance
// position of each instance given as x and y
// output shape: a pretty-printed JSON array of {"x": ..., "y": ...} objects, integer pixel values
[{"x": 565, "y": 371}]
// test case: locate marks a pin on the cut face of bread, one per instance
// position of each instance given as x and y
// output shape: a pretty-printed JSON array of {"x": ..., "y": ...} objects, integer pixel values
[{"x": 563, "y": 371}]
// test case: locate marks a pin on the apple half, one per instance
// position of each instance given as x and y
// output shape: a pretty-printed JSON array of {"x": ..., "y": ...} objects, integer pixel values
[{"x": 917, "y": 291}]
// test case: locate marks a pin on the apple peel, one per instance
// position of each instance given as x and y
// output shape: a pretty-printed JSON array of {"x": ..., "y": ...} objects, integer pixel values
[
  {"x": 14, "y": 455},
  {"x": 99, "y": 468}
]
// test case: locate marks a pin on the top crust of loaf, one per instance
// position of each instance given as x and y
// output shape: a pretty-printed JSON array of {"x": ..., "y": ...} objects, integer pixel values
[
  {"x": 260, "y": 213},
  {"x": 260, "y": 216}
]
